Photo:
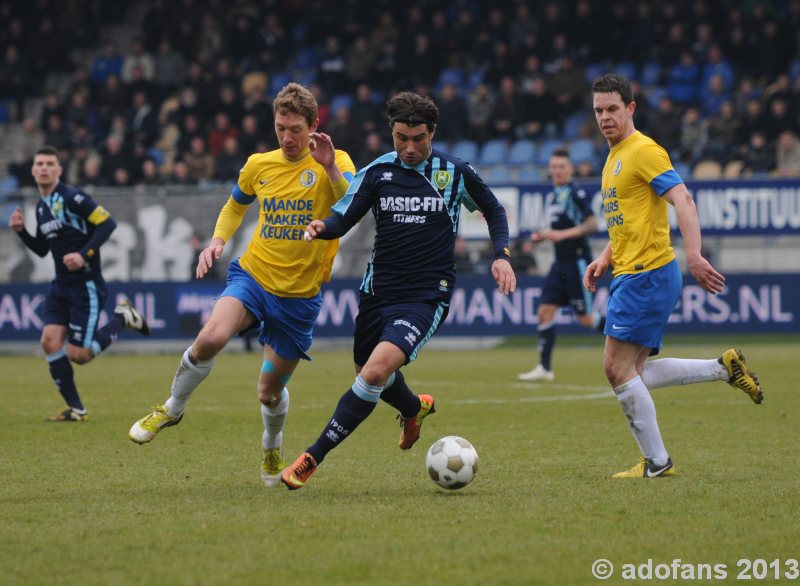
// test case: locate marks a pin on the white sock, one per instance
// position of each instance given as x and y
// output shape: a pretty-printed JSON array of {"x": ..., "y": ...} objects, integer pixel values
[
  {"x": 641, "y": 413},
  {"x": 274, "y": 418},
  {"x": 186, "y": 380},
  {"x": 670, "y": 372}
]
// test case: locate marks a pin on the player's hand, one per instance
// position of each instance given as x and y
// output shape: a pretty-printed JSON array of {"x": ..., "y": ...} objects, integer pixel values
[
  {"x": 16, "y": 221},
  {"x": 504, "y": 276},
  {"x": 208, "y": 257},
  {"x": 593, "y": 272},
  {"x": 314, "y": 229},
  {"x": 74, "y": 261},
  {"x": 322, "y": 149},
  {"x": 708, "y": 277}
]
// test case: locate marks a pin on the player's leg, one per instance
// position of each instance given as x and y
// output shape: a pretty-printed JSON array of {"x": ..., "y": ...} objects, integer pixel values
[
  {"x": 53, "y": 341},
  {"x": 286, "y": 335},
  {"x": 354, "y": 406},
  {"x": 54, "y": 337},
  {"x": 730, "y": 367},
  {"x": 639, "y": 307},
  {"x": 228, "y": 317},
  {"x": 554, "y": 295},
  {"x": 86, "y": 340},
  {"x": 546, "y": 331}
]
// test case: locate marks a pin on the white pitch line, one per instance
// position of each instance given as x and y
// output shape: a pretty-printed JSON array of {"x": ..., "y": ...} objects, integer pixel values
[
  {"x": 512, "y": 385},
  {"x": 550, "y": 399}
]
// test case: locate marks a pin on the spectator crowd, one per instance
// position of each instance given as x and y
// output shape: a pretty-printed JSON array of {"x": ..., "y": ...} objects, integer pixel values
[{"x": 188, "y": 97}]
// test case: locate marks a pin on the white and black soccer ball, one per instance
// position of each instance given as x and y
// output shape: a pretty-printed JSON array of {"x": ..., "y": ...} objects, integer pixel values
[{"x": 452, "y": 462}]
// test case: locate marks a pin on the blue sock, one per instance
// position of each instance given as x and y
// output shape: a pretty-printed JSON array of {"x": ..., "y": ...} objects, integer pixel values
[
  {"x": 62, "y": 374},
  {"x": 108, "y": 334},
  {"x": 547, "y": 341},
  {"x": 350, "y": 412},
  {"x": 399, "y": 396}
]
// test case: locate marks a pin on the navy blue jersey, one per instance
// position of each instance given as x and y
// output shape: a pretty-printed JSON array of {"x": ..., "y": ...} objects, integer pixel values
[
  {"x": 67, "y": 221},
  {"x": 571, "y": 207},
  {"x": 416, "y": 211}
]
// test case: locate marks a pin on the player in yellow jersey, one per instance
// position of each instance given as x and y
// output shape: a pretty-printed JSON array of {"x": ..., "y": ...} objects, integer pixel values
[
  {"x": 276, "y": 282},
  {"x": 638, "y": 183}
]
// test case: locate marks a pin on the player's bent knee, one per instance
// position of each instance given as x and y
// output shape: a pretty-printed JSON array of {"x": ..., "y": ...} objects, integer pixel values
[{"x": 80, "y": 355}]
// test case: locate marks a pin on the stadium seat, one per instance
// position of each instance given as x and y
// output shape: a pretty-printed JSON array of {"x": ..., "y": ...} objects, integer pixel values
[
  {"x": 545, "y": 150},
  {"x": 582, "y": 150},
  {"x": 651, "y": 73},
  {"x": 627, "y": 70},
  {"x": 307, "y": 58},
  {"x": 654, "y": 95},
  {"x": 683, "y": 169},
  {"x": 594, "y": 70},
  {"x": 466, "y": 150},
  {"x": 573, "y": 125},
  {"x": 531, "y": 174},
  {"x": 341, "y": 101},
  {"x": 499, "y": 174},
  {"x": 453, "y": 75},
  {"x": 278, "y": 80},
  {"x": 733, "y": 170},
  {"x": 474, "y": 78},
  {"x": 707, "y": 170},
  {"x": 493, "y": 152},
  {"x": 522, "y": 152}
]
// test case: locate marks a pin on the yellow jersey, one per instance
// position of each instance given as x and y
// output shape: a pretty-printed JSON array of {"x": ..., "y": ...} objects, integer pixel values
[
  {"x": 290, "y": 194},
  {"x": 636, "y": 174}
]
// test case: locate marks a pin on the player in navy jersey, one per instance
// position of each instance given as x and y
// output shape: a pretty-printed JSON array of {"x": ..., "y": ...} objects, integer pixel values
[
  {"x": 415, "y": 194},
  {"x": 571, "y": 219},
  {"x": 71, "y": 226}
]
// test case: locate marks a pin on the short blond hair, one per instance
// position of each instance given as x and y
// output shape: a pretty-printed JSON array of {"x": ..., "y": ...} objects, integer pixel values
[{"x": 296, "y": 99}]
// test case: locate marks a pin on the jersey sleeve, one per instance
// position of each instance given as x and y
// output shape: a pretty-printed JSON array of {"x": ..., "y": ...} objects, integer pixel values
[
  {"x": 583, "y": 203},
  {"x": 348, "y": 170},
  {"x": 351, "y": 207},
  {"x": 244, "y": 192},
  {"x": 656, "y": 169},
  {"x": 482, "y": 197}
]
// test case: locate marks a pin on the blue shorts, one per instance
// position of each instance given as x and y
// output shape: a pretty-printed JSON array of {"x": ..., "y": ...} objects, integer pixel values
[
  {"x": 406, "y": 325},
  {"x": 76, "y": 305},
  {"x": 564, "y": 286},
  {"x": 639, "y": 305},
  {"x": 287, "y": 323}
]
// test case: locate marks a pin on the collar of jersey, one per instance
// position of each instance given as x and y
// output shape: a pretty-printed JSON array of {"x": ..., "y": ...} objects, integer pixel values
[
  {"x": 419, "y": 168},
  {"x": 302, "y": 156}
]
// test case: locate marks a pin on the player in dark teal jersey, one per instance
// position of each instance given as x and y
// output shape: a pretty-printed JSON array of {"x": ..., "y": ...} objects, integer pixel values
[
  {"x": 71, "y": 226},
  {"x": 415, "y": 195},
  {"x": 571, "y": 219}
]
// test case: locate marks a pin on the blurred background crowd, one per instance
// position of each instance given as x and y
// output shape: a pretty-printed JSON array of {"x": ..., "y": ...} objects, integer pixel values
[{"x": 160, "y": 92}]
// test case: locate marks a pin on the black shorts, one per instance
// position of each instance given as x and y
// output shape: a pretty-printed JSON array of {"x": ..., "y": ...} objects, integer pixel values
[
  {"x": 406, "y": 325},
  {"x": 564, "y": 286},
  {"x": 76, "y": 305}
]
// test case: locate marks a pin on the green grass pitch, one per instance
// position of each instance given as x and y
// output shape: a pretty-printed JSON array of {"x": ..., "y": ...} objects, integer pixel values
[{"x": 81, "y": 504}]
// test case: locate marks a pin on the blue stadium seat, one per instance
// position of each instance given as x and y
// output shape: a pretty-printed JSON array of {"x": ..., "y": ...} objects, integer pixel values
[
  {"x": 474, "y": 78},
  {"x": 278, "y": 80},
  {"x": 341, "y": 101},
  {"x": 582, "y": 150},
  {"x": 497, "y": 175},
  {"x": 493, "y": 152},
  {"x": 531, "y": 174},
  {"x": 594, "y": 70},
  {"x": 573, "y": 125},
  {"x": 651, "y": 73},
  {"x": 522, "y": 152},
  {"x": 545, "y": 150},
  {"x": 452, "y": 75},
  {"x": 441, "y": 145},
  {"x": 307, "y": 58},
  {"x": 626, "y": 70},
  {"x": 306, "y": 76},
  {"x": 157, "y": 155},
  {"x": 654, "y": 95},
  {"x": 683, "y": 169},
  {"x": 466, "y": 150}
]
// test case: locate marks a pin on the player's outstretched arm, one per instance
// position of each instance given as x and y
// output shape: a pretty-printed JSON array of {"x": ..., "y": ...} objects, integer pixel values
[
  {"x": 209, "y": 256},
  {"x": 324, "y": 153},
  {"x": 504, "y": 276}
]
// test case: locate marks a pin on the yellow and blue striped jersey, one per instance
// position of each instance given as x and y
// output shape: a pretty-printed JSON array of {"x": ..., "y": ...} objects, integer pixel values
[
  {"x": 636, "y": 174},
  {"x": 290, "y": 194}
]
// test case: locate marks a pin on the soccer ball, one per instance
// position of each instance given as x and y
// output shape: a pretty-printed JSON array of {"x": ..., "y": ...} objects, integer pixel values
[{"x": 452, "y": 462}]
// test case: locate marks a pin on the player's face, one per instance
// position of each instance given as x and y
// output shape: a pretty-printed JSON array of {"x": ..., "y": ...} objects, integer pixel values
[
  {"x": 46, "y": 170},
  {"x": 614, "y": 118},
  {"x": 412, "y": 143},
  {"x": 293, "y": 131},
  {"x": 560, "y": 170}
]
